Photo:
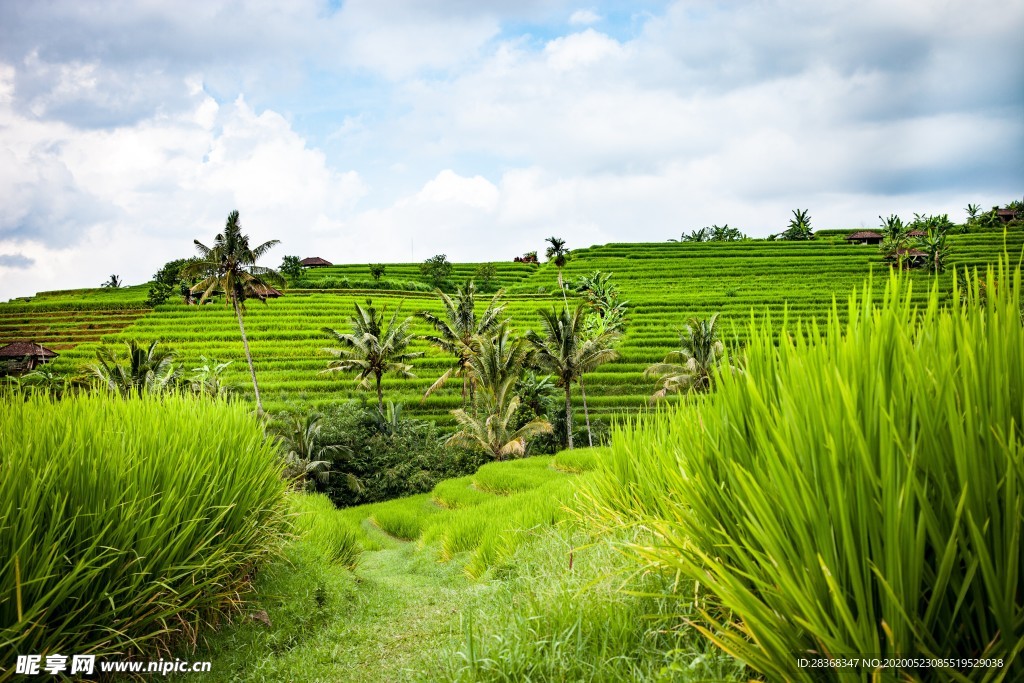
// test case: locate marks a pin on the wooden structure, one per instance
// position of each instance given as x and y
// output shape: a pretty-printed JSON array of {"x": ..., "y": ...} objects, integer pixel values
[
  {"x": 864, "y": 237},
  {"x": 264, "y": 292},
  {"x": 315, "y": 262},
  {"x": 917, "y": 233},
  {"x": 19, "y": 357},
  {"x": 528, "y": 257},
  {"x": 1006, "y": 215},
  {"x": 911, "y": 258}
]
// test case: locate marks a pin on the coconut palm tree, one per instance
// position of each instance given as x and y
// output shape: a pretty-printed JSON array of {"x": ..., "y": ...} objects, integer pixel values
[
  {"x": 558, "y": 254},
  {"x": 307, "y": 459},
  {"x": 146, "y": 370},
  {"x": 373, "y": 349},
  {"x": 230, "y": 267},
  {"x": 492, "y": 431},
  {"x": 690, "y": 368},
  {"x": 564, "y": 350},
  {"x": 457, "y": 330},
  {"x": 499, "y": 363}
]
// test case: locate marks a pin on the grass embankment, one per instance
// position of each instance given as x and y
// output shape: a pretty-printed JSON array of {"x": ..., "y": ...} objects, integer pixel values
[
  {"x": 411, "y": 605},
  {"x": 126, "y": 524},
  {"x": 856, "y": 491}
]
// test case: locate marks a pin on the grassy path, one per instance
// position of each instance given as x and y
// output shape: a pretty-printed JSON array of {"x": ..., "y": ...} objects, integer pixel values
[{"x": 384, "y": 622}]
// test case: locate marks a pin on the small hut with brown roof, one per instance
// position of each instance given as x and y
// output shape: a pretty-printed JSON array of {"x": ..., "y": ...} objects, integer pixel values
[
  {"x": 864, "y": 237},
  {"x": 315, "y": 262},
  {"x": 1006, "y": 215},
  {"x": 917, "y": 233},
  {"x": 18, "y": 357},
  {"x": 264, "y": 292},
  {"x": 911, "y": 258}
]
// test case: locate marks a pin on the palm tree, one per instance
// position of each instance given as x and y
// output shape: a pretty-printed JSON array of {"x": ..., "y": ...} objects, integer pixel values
[
  {"x": 373, "y": 349},
  {"x": 566, "y": 352},
  {"x": 799, "y": 226},
  {"x": 492, "y": 432},
  {"x": 690, "y": 368},
  {"x": 892, "y": 227},
  {"x": 206, "y": 380},
  {"x": 145, "y": 371},
  {"x": 934, "y": 244},
  {"x": 499, "y": 363},
  {"x": 230, "y": 267},
  {"x": 306, "y": 458},
  {"x": 457, "y": 331},
  {"x": 560, "y": 256},
  {"x": 113, "y": 283}
]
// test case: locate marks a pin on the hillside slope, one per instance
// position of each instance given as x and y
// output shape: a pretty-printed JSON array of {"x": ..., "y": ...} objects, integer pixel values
[{"x": 665, "y": 284}]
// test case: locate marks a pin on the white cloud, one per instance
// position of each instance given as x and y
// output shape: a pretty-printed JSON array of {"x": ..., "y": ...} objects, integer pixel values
[
  {"x": 83, "y": 204},
  {"x": 584, "y": 17}
]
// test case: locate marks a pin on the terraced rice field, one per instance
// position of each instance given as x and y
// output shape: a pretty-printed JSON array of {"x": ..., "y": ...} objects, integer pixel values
[{"x": 665, "y": 284}]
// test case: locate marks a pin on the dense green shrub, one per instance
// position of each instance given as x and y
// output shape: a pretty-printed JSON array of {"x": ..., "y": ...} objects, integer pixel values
[
  {"x": 855, "y": 490},
  {"x": 386, "y": 459},
  {"x": 126, "y": 522}
]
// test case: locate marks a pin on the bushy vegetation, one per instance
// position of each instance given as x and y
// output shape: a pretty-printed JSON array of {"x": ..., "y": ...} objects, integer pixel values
[
  {"x": 857, "y": 488},
  {"x": 384, "y": 457},
  {"x": 126, "y": 524}
]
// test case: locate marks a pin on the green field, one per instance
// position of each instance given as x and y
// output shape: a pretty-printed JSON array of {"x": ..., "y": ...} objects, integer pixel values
[{"x": 664, "y": 283}]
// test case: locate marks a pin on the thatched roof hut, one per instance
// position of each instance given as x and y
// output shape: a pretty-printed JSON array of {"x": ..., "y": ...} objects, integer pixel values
[
  {"x": 315, "y": 262},
  {"x": 22, "y": 356},
  {"x": 264, "y": 292},
  {"x": 864, "y": 237},
  {"x": 911, "y": 258},
  {"x": 917, "y": 233}
]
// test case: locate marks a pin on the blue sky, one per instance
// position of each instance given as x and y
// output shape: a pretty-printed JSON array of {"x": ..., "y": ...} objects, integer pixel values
[{"x": 392, "y": 130}]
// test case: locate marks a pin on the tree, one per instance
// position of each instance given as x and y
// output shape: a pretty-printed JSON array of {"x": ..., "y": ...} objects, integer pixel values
[
  {"x": 307, "y": 458},
  {"x": 206, "y": 379},
  {"x": 457, "y": 331},
  {"x": 145, "y": 370},
  {"x": 373, "y": 349},
  {"x": 492, "y": 432},
  {"x": 291, "y": 267},
  {"x": 113, "y": 283},
  {"x": 486, "y": 274},
  {"x": 559, "y": 255},
  {"x": 167, "y": 281},
  {"x": 437, "y": 269},
  {"x": 563, "y": 349},
  {"x": 799, "y": 226},
  {"x": 892, "y": 227},
  {"x": 377, "y": 271},
  {"x": 230, "y": 267},
  {"x": 934, "y": 245},
  {"x": 690, "y": 368},
  {"x": 499, "y": 363}
]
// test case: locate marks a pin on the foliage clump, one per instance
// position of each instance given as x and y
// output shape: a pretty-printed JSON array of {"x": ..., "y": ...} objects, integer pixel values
[
  {"x": 125, "y": 523},
  {"x": 856, "y": 489}
]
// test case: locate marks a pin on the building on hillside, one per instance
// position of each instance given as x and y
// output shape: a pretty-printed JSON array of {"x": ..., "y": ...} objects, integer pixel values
[
  {"x": 911, "y": 258},
  {"x": 1006, "y": 215},
  {"x": 264, "y": 292},
  {"x": 917, "y": 233},
  {"x": 864, "y": 237},
  {"x": 315, "y": 262},
  {"x": 19, "y": 357}
]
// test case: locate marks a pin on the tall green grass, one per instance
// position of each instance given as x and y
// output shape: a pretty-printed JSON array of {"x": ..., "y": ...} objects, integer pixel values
[
  {"x": 857, "y": 489},
  {"x": 125, "y": 523}
]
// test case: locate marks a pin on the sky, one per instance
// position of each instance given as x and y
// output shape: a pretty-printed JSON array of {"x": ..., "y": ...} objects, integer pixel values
[{"x": 394, "y": 130}]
